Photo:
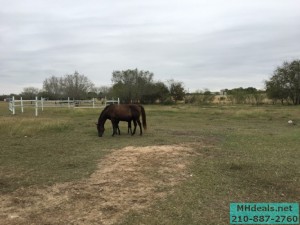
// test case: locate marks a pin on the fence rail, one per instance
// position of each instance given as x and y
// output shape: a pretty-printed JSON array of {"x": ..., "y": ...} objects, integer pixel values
[{"x": 44, "y": 103}]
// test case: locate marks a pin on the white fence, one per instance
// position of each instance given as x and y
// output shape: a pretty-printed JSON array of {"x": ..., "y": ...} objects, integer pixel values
[{"x": 44, "y": 103}]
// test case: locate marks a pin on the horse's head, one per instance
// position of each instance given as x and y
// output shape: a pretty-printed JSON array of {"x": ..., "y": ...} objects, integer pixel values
[
  {"x": 100, "y": 129},
  {"x": 101, "y": 121}
]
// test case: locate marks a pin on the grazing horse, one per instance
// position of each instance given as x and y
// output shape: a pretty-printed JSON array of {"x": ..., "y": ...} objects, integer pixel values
[
  {"x": 117, "y": 125},
  {"x": 122, "y": 112}
]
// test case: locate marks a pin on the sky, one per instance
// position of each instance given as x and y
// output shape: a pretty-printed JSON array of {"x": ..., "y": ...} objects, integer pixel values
[{"x": 205, "y": 44}]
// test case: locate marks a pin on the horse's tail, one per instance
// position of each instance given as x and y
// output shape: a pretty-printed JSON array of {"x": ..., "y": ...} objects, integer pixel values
[{"x": 144, "y": 117}]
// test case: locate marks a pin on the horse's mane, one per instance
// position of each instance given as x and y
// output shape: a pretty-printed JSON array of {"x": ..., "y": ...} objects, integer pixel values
[{"x": 102, "y": 113}]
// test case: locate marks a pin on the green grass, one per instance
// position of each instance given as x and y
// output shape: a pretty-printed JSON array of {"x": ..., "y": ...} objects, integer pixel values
[{"x": 246, "y": 154}]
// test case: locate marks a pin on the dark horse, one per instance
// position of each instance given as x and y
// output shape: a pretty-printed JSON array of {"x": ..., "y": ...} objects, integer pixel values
[{"x": 122, "y": 112}]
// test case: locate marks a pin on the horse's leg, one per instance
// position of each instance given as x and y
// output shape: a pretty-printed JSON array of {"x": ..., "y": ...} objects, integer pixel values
[
  {"x": 115, "y": 127},
  {"x": 118, "y": 129},
  {"x": 140, "y": 125},
  {"x": 112, "y": 123},
  {"x": 129, "y": 127},
  {"x": 134, "y": 123}
]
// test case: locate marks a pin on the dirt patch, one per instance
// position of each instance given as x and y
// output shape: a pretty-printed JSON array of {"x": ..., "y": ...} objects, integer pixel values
[{"x": 132, "y": 178}]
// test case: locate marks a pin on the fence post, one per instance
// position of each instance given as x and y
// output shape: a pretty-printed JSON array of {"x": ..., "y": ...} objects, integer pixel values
[
  {"x": 42, "y": 103},
  {"x": 118, "y": 101},
  {"x": 93, "y": 102},
  {"x": 36, "y": 106},
  {"x": 22, "y": 106},
  {"x": 69, "y": 102},
  {"x": 13, "y": 105},
  {"x": 9, "y": 106}
]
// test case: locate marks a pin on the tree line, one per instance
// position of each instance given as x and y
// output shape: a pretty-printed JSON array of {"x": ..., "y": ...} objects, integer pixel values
[
  {"x": 283, "y": 86},
  {"x": 239, "y": 95},
  {"x": 131, "y": 86},
  {"x": 139, "y": 86}
]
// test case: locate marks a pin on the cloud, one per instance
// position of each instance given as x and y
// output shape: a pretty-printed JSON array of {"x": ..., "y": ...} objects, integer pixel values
[{"x": 212, "y": 44}]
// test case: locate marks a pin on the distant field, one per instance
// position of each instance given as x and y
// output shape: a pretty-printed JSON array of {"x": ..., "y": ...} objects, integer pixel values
[{"x": 54, "y": 167}]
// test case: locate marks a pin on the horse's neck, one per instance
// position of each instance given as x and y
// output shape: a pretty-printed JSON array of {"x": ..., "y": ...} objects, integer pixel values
[{"x": 102, "y": 121}]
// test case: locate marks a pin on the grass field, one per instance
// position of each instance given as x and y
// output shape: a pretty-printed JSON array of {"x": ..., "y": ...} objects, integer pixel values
[{"x": 241, "y": 154}]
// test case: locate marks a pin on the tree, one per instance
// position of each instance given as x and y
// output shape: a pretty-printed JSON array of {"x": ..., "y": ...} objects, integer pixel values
[
  {"x": 161, "y": 92},
  {"x": 74, "y": 86},
  {"x": 30, "y": 93},
  {"x": 77, "y": 86},
  {"x": 134, "y": 86},
  {"x": 53, "y": 87},
  {"x": 284, "y": 85},
  {"x": 176, "y": 90},
  {"x": 200, "y": 97},
  {"x": 237, "y": 95},
  {"x": 103, "y": 91},
  {"x": 248, "y": 95}
]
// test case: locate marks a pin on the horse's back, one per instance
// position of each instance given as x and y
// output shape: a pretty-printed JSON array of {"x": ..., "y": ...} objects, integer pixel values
[
  {"x": 121, "y": 112},
  {"x": 126, "y": 111}
]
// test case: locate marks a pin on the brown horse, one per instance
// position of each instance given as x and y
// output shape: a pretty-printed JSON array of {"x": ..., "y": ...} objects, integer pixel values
[
  {"x": 117, "y": 125},
  {"x": 122, "y": 112}
]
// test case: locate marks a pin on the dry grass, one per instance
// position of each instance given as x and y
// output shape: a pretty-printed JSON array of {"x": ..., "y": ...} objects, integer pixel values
[{"x": 132, "y": 178}]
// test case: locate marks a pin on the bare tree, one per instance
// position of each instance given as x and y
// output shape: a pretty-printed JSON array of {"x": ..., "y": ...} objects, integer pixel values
[
  {"x": 30, "y": 93},
  {"x": 74, "y": 86},
  {"x": 53, "y": 87}
]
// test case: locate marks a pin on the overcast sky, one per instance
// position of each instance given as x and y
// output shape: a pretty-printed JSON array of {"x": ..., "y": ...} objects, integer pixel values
[{"x": 211, "y": 44}]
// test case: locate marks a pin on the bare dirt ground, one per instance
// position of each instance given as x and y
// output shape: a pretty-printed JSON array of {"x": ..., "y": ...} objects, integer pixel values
[{"x": 132, "y": 178}]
